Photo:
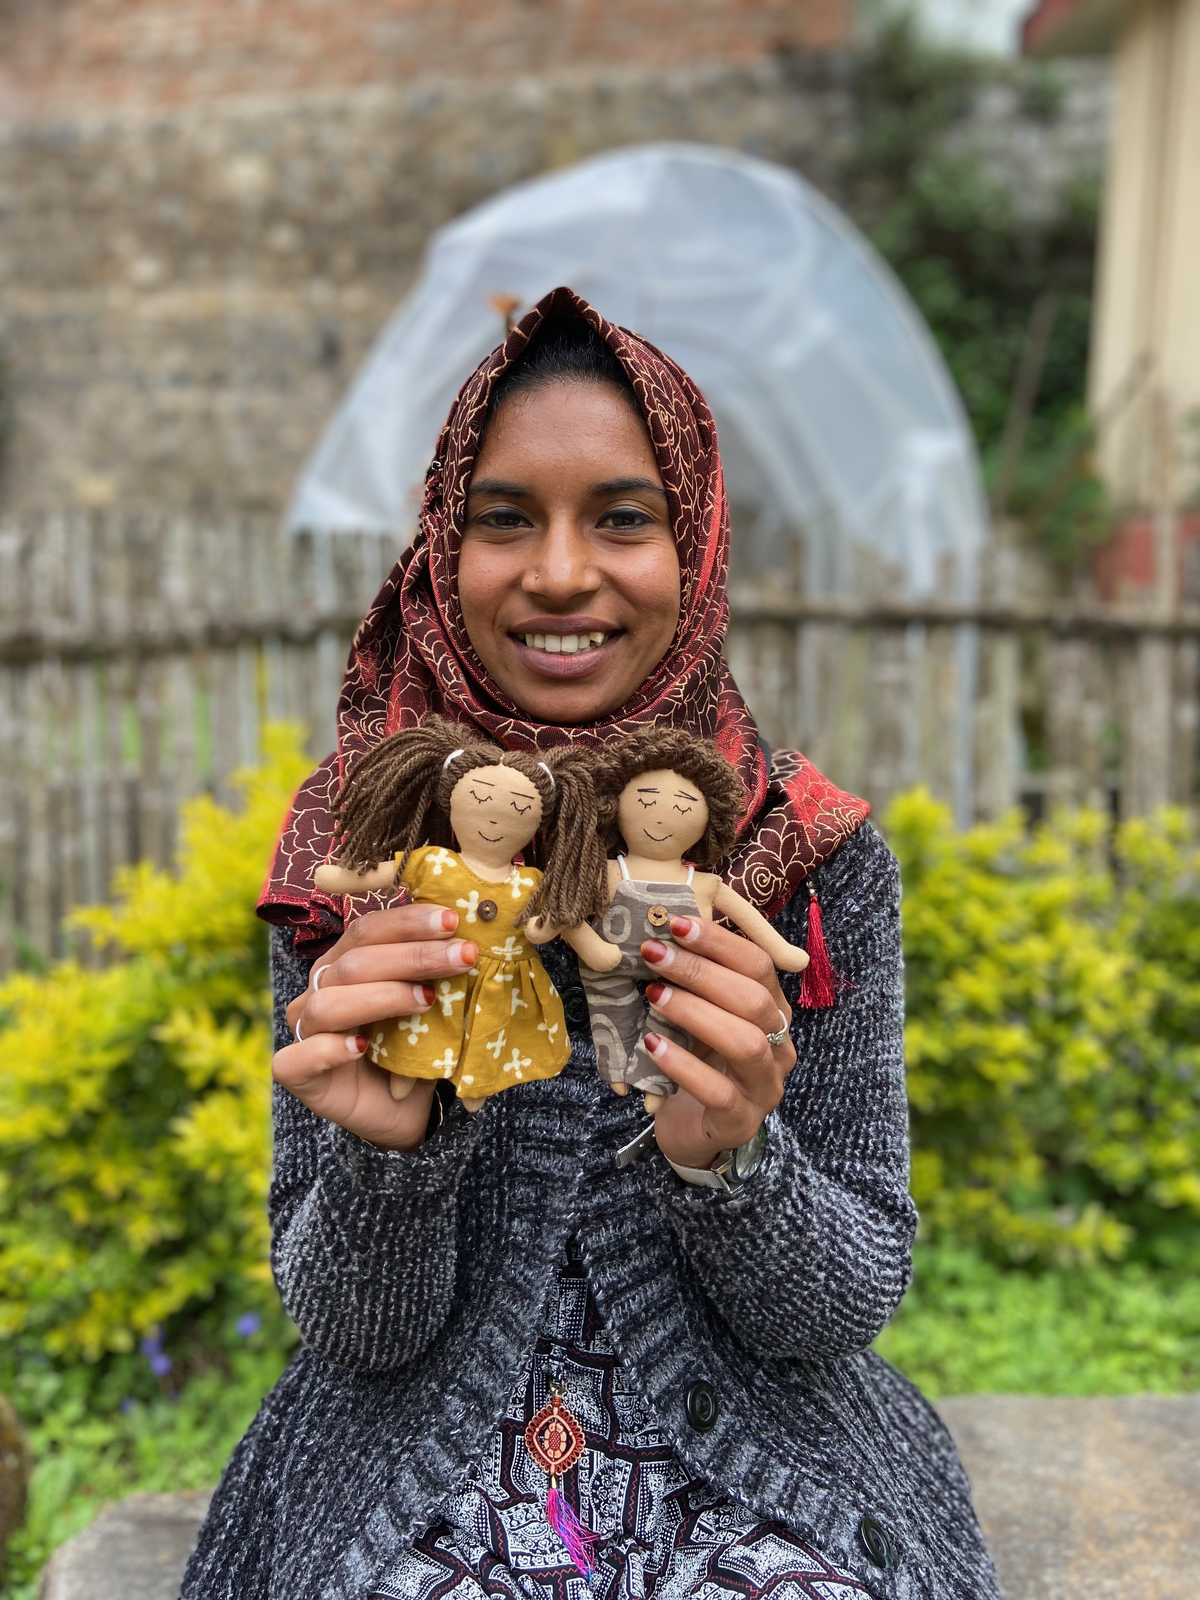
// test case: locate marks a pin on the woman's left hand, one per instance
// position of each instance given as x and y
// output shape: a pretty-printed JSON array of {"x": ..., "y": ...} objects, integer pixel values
[{"x": 724, "y": 991}]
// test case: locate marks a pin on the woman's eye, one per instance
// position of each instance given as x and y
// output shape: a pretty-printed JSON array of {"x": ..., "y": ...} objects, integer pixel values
[
  {"x": 503, "y": 518},
  {"x": 624, "y": 521}
]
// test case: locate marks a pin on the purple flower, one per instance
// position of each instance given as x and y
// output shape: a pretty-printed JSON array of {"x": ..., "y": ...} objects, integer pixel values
[
  {"x": 160, "y": 1365},
  {"x": 127, "y": 1405},
  {"x": 249, "y": 1322},
  {"x": 152, "y": 1343}
]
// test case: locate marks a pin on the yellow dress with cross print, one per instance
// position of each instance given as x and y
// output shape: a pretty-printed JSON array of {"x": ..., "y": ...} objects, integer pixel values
[{"x": 500, "y": 1023}]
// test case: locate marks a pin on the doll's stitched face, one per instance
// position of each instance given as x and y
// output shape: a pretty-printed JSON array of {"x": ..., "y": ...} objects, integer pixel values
[
  {"x": 494, "y": 811},
  {"x": 661, "y": 815},
  {"x": 568, "y": 576}
]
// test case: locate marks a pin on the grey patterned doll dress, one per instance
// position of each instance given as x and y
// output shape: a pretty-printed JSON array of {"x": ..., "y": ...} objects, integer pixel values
[
  {"x": 662, "y": 1533},
  {"x": 617, "y": 1005}
]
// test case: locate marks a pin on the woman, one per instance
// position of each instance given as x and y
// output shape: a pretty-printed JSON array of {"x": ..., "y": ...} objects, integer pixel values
[{"x": 706, "y": 1318}]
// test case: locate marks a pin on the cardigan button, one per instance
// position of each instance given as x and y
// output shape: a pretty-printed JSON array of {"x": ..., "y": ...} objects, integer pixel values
[
  {"x": 877, "y": 1543},
  {"x": 487, "y": 910},
  {"x": 702, "y": 1406}
]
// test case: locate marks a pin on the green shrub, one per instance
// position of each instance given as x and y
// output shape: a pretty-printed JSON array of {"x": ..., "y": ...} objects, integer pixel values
[
  {"x": 1053, "y": 1039},
  {"x": 134, "y": 1104},
  {"x": 971, "y": 1326}
]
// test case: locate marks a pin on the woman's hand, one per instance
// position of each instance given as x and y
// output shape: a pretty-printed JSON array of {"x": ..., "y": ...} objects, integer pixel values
[
  {"x": 384, "y": 965},
  {"x": 724, "y": 991}
]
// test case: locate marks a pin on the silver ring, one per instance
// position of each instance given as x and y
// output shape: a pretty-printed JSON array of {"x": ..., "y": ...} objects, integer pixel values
[
  {"x": 316, "y": 977},
  {"x": 299, "y": 1037},
  {"x": 777, "y": 1038}
]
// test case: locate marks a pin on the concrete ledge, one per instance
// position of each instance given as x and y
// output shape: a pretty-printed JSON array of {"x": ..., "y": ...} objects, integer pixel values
[
  {"x": 1095, "y": 1499},
  {"x": 1079, "y": 1499},
  {"x": 133, "y": 1551}
]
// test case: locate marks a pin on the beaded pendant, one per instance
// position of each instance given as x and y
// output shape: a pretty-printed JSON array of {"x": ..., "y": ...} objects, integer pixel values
[{"x": 555, "y": 1440}]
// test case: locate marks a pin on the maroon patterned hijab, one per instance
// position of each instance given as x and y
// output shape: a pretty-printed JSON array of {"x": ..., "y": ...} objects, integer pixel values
[{"x": 412, "y": 655}]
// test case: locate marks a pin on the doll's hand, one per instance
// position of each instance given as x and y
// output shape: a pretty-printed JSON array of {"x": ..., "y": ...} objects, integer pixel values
[
  {"x": 724, "y": 991},
  {"x": 384, "y": 965}
]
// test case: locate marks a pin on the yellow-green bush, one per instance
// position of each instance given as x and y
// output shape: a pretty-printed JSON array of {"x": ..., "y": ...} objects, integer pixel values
[
  {"x": 1053, "y": 1040},
  {"x": 135, "y": 1100}
]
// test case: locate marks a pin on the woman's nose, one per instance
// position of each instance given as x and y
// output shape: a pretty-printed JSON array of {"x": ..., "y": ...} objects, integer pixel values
[{"x": 562, "y": 563}]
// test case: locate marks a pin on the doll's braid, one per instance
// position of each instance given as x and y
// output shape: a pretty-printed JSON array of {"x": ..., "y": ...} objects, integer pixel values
[
  {"x": 390, "y": 800},
  {"x": 572, "y": 887}
]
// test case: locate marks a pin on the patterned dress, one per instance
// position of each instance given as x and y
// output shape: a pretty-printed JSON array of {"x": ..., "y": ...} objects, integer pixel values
[
  {"x": 500, "y": 1023},
  {"x": 665, "y": 1534},
  {"x": 617, "y": 1008}
]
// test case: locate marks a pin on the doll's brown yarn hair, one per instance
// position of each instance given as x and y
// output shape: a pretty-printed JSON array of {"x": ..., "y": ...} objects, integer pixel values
[
  {"x": 697, "y": 760},
  {"x": 398, "y": 797}
]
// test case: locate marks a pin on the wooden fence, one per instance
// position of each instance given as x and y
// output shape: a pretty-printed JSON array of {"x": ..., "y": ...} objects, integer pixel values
[{"x": 140, "y": 657}]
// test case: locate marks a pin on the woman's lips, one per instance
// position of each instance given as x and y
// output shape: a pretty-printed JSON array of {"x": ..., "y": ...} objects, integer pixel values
[{"x": 580, "y": 665}]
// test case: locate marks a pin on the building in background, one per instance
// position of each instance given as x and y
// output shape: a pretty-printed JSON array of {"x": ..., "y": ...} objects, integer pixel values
[{"x": 1145, "y": 360}]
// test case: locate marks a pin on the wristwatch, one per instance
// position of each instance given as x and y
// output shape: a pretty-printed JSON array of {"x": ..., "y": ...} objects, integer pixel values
[{"x": 730, "y": 1169}]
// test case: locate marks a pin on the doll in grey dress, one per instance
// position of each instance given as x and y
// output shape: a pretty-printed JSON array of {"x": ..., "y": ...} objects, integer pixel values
[{"x": 664, "y": 794}]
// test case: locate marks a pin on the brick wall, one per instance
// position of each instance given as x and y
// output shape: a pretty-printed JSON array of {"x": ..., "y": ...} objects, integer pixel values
[{"x": 61, "y": 56}]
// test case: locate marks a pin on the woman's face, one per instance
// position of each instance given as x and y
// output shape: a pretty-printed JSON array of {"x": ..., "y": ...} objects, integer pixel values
[{"x": 568, "y": 577}]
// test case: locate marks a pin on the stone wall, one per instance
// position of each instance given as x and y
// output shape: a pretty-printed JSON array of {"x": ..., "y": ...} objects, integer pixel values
[{"x": 185, "y": 292}]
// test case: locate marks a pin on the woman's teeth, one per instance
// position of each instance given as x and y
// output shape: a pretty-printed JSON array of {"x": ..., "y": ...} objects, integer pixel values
[{"x": 567, "y": 644}]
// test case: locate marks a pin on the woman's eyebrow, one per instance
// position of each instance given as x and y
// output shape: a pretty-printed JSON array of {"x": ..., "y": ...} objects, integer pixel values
[
  {"x": 627, "y": 486},
  {"x": 513, "y": 491}
]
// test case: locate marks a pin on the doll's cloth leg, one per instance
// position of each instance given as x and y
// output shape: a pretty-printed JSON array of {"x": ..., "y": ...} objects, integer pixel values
[
  {"x": 642, "y": 1071},
  {"x": 617, "y": 1013}
]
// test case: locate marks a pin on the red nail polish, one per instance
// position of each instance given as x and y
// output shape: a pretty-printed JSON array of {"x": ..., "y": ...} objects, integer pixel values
[
  {"x": 652, "y": 1041},
  {"x": 681, "y": 927},
  {"x": 428, "y": 993},
  {"x": 449, "y": 920},
  {"x": 653, "y": 951},
  {"x": 655, "y": 992},
  {"x": 362, "y": 1040}
]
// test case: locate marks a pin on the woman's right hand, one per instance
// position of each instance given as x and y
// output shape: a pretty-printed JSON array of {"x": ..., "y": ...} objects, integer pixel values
[{"x": 384, "y": 965}]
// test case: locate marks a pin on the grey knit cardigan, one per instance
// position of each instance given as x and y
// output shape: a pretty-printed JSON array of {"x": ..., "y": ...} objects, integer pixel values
[{"x": 416, "y": 1282}]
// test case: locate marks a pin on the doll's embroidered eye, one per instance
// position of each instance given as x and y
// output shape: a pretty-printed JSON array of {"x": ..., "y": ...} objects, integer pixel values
[{"x": 521, "y": 810}]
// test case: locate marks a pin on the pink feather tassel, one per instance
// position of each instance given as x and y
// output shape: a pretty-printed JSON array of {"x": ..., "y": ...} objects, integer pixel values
[{"x": 578, "y": 1539}]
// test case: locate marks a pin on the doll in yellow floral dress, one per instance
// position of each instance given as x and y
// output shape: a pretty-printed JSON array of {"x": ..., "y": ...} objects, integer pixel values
[{"x": 478, "y": 806}]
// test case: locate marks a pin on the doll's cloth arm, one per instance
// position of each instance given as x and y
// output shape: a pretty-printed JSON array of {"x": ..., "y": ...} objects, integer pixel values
[
  {"x": 363, "y": 1240},
  {"x": 811, "y": 1256},
  {"x": 786, "y": 956},
  {"x": 591, "y": 949},
  {"x": 343, "y": 880}
]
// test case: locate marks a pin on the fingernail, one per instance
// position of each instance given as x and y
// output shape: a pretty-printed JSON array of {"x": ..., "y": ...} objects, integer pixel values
[
  {"x": 443, "y": 921},
  {"x": 654, "y": 1043},
  {"x": 428, "y": 993},
  {"x": 657, "y": 953},
  {"x": 685, "y": 928},
  {"x": 657, "y": 993},
  {"x": 357, "y": 1044},
  {"x": 464, "y": 952}
]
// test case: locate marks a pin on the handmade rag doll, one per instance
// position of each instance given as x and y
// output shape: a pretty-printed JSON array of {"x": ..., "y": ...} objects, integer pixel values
[
  {"x": 476, "y": 806},
  {"x": 664, "y": 794}
]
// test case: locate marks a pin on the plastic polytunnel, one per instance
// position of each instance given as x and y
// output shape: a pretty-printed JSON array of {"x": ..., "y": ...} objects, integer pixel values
[{"x": 849, "y": 460}]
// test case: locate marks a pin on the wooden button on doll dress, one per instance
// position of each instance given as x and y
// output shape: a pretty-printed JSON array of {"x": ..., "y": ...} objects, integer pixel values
[{"x": 498, "y": 1024}]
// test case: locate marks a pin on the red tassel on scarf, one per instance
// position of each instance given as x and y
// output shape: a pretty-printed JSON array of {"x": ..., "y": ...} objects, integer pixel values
[
  {"x": 819, "y": 986},
  {"x": 578, "y": 1539}
]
